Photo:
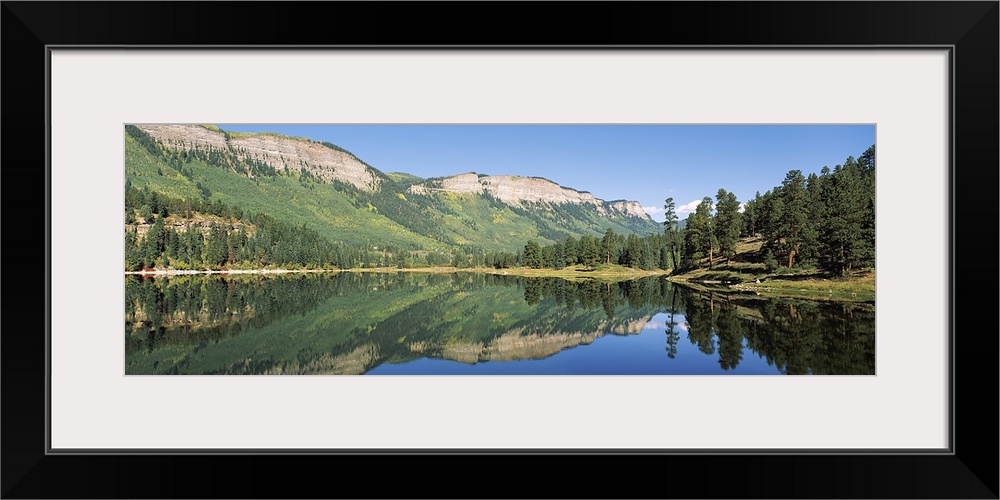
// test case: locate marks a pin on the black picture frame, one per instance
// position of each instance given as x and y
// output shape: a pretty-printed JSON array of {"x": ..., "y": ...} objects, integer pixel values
[{"x": 969, "y": 28}]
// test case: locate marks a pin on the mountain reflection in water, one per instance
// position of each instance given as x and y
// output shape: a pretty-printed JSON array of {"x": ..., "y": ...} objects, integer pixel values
[{"x": 421, "y": 324}]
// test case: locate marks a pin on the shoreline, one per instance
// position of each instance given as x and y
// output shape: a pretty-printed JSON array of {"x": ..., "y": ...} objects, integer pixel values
[
  {"x": 829, "y": 290},
  {"x": 849, "y": 290},
  {"x": 188, "y": 272},
  {"x": 528, "y": 272}
]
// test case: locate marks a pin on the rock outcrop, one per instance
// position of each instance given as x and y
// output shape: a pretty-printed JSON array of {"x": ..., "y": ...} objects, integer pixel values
[
  {"x": 278, "y": 151},
  {"x": 628, "y": 208},
  {"x": 332, "y": 163},
  {"x": 517, "y": 191},
  {"x": 520, "y": 344}
]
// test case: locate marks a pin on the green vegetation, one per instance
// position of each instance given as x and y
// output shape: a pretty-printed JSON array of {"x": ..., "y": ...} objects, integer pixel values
[
  {"x": 612, "y": 254},
  {"x": 221, "y": 209},
  {"x": 352, "y": 322},
  {"x": 796, "y": 336},
  {"x": 673, "y": 241},
  {"x": 323, "y": 321},
  {"x": 376, "y": 228},
  {"x": 812, "y": 234},
  {"x": 825, "y": 221},
  {"x": 402, "y": 179},
  {"x": 238, "y": 135},
  {"x": 254, "y": 187}
]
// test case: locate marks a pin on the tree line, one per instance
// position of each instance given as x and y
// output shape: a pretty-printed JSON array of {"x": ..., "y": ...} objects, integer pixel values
[
  {"x": 242, "y": 239},
  {"x": 825, "y": 220},
  {"x": 647, "y": 253},
  {"x": 237, "y": 238}
]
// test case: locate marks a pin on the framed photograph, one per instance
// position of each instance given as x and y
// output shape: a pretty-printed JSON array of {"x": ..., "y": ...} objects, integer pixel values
[
  {"x": 267, "y": 249},
  {"x": 123, "y": 112}
]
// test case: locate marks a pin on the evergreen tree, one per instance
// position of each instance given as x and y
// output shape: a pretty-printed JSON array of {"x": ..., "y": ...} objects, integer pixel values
[
  {"x": 633, "y": 251},
  {"x": 673, "y": 241},
  {"x": 215, "y": 248},
  {"x": 571, "y": 251},
  {"x": 793, "y": 227},
  {"x": 771, "y": 211},
  {"x": 145, "y": 213},
  {"x": 460, "y": 259},
  {"x": 842, "y": 231},
  {"x": 751, "y": 215},
  {"x": 811, "y": 246},
  {"x": 727, "y": 224},
  {"x": 174, "y": 245},
  {"x": 698, "y": 237},
  {"x": 608, "y": 246},
  {"x": 188, "y": 247},
  {"x": 533, "y": 255},
  {"x": 664, "y": 253},
  {"x": 152, "y": 244},
  {"x": 590, "y": 251},
  {"x": 558, "y": 256},
  {"x": 133, "y": 260}
]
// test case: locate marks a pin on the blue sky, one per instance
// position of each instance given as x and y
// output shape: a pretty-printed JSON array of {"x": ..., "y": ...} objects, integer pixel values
[{"x": 646, "y": 163}]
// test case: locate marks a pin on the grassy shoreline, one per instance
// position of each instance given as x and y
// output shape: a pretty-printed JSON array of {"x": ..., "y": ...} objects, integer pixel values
[
  {"x": 612, "y": 272},
  {"x": 746, "y": 273},
  {"x": 861, "y": 288},
  {"x": 802, "y": 285}
]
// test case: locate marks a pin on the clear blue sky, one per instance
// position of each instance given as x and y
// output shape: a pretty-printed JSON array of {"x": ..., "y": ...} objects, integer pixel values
[{"x": 646, "y": 163}]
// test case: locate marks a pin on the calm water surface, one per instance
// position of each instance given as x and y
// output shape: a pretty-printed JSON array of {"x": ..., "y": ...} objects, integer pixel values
[{"x": 467, "y": 324}]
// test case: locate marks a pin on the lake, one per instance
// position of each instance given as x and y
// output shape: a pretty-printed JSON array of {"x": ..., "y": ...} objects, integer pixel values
[{"x": 481, "y": 324}]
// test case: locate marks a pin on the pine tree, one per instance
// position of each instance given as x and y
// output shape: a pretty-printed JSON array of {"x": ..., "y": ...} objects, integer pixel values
[
  {"x": 698, "y": 237},
  {"x": 633, "y": 251},
  {"x": 608, "y": 246},
  {"x": 843, "y": 232},
  {"x": 533, "y": 255},
  {"x": 795, "y": 216},
  {"x": 673, "y": 242},
  {"x": 571, "y": 251},
  {"x": 727, "y": 224},
  {"x": 145, "y": 213},
  {"x": 215, "y": 249},
  {"x": 751, "y": 216},
  {"x": 152, "y": 244},
  {"x": 133, "y": 261}
]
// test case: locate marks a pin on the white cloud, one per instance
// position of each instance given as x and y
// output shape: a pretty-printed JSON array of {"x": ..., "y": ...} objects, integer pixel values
[
  {"x": 687, "y": 208},
  {"x": 653, "y": 210},
  {"x": 743, "y": 207}
]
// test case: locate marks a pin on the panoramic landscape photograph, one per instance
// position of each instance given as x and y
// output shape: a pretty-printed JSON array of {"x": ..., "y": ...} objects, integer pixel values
[{"x": 538, "y": 249}]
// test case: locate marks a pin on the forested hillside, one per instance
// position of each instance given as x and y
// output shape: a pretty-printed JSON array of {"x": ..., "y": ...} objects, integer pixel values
[{"x": 276, "y": 200}]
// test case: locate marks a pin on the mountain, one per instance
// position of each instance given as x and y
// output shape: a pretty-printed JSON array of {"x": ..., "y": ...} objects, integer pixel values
[
  {"x": 353, "y": 322},
  {"x": 523, "y": 191},
  {"x": 323, "y": 160},
  {"x": 328, "y": 189}
]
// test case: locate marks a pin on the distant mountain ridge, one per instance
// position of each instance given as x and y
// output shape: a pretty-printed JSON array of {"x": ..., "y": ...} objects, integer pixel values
[
  {"x": 326, "y": 161},
  {"x": 330, "y": 162},
  {"x": 324, "y": 186},
  {"x": 516, "y": 190}
]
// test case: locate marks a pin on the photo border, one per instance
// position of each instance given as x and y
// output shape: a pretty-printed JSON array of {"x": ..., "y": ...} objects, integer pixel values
[{"x": 32, "y": 30}]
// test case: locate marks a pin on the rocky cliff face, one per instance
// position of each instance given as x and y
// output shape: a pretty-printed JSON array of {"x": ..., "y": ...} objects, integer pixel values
[
  {"x": 629, "y": 208},
  {"x": 277, "y": 151},
  {"x": 329, "y": 164},
  {"x": 519, "y": 344},
  {"x": 516, "y": 191}
]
